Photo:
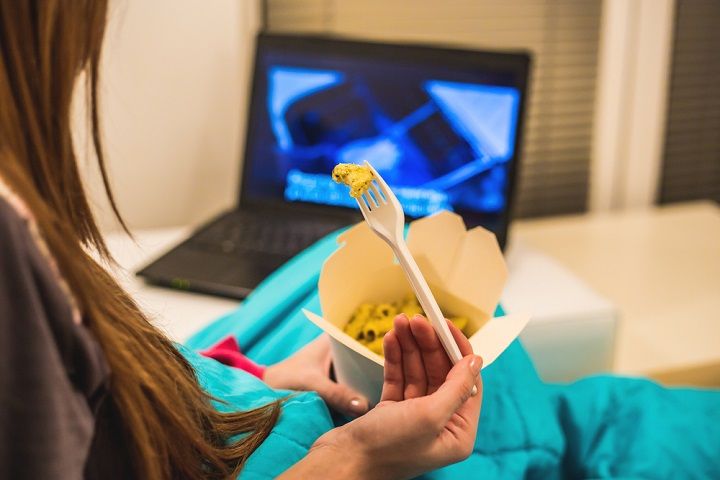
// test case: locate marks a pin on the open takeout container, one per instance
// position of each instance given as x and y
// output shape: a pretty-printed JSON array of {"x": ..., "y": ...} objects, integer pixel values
[{"x": 466, "y": 272}]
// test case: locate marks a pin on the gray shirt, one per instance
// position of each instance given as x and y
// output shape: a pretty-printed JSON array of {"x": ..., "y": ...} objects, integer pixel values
[{"x": 56, "y": 417}]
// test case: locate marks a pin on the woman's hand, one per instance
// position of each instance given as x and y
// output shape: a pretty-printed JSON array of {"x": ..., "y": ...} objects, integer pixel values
[
  {"x": 308, "y": 370},
  {"x": 427, "y": 417}
]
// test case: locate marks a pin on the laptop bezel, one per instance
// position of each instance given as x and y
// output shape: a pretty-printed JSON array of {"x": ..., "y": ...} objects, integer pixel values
[{"x": 516, "y": 63}]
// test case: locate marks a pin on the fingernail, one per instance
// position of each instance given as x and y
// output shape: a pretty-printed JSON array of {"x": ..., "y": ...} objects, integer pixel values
[
  {"x": 476, "y": 365},
  {"x": 357, "y": 406}
]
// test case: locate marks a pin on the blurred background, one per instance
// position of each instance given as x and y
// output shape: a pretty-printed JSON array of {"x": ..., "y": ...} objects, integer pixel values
[
  {"x": 615, "y": 242},
  {"x": 624, "y": 109}
]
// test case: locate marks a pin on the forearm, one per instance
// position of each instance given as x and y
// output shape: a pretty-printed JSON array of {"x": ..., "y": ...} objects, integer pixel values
[{"x": 328, "y": 462}]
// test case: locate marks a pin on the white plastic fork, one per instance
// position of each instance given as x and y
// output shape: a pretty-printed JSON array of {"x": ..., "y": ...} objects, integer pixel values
[{"x": 384, "y": 214}]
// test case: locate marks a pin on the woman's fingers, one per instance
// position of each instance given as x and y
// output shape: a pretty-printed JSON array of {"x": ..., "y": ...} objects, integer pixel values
[
  {"x": 460, "y": 338},
  {"x": 435, "y": 360},
  {"x": 412, "y": 362},
  {"x": 469, "y": 412},
  {"x": 393, "y": 382},
  {"x": 415, "y": 361},
  {"x": 340, "y": 397},
  {"x": 455, "y": 395}
]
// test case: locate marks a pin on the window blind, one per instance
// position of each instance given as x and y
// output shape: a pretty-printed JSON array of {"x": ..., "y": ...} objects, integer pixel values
[
  {"x": 691, "y": 160},
  {"x": 563, "y": 37}
]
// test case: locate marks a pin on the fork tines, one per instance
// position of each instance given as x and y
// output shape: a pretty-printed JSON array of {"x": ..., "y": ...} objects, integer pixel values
[{"x": 372, "y": 198}]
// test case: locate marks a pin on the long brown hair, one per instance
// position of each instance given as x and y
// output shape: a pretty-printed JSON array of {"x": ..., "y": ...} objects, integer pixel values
[{"x": 173, "y": 429}]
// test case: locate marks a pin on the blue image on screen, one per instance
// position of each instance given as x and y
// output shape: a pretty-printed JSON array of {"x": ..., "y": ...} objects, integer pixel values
[{"x": 440, "y": 144}]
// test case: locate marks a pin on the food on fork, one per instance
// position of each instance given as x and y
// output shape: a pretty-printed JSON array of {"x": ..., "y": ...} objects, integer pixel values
[
  {"x": 370, "y": 322},
  {"x": 357, "y": 177}
]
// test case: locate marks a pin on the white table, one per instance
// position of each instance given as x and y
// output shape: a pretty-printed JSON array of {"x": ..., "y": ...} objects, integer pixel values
[{"x": 661, "y": 267}]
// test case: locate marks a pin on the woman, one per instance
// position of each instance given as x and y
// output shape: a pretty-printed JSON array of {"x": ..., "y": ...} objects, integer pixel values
[{"x": 89, "y": 387}]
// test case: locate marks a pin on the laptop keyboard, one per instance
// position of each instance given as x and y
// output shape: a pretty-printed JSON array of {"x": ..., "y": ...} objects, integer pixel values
[{"x": 266, "y": 234}]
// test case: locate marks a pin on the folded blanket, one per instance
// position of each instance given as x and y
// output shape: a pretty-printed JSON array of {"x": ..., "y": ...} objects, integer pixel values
[{"x": 599, "y": 427}]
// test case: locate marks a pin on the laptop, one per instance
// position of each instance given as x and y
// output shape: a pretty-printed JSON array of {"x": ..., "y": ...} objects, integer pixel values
[{"x": 441, "y": 125}]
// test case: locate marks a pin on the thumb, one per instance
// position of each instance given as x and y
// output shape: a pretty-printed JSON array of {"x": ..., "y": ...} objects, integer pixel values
[
  {"x": 341, "y": 397},
  {"x": 458, "y": 386}
]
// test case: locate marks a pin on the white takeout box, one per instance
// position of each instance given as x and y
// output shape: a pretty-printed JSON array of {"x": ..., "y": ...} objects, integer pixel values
[{"x": 465, "y": 270}]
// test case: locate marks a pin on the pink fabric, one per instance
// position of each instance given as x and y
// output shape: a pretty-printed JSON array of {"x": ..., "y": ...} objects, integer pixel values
[{"x": 228, "y": 352}]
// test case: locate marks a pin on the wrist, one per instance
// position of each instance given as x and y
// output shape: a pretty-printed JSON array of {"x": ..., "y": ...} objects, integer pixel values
[
  {"x": 332, "y": 456},
  {"x": 349, "y": 458}
]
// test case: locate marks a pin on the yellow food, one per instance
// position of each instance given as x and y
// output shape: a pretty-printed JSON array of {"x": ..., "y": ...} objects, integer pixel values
[
  {"x": 377, "y": 328},
  {"x": 357, "y": 177},
  {"x": 460, "y": 322},
  {"x": 376, "y": 345},
  {"x": 355, "y": 326},
  {"x": 410, "y": 307},
  {"x": 370, "y": 322}
]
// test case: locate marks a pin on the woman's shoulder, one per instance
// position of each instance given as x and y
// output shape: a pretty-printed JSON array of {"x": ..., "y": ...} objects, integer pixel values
[
  {"x": 23, "y": 247},
  {"x": 16, "y": 236},
  {"x": 18, "y": 229},
  {"x": 14, "y": 217},
  {"x": 51, "y": 356}
]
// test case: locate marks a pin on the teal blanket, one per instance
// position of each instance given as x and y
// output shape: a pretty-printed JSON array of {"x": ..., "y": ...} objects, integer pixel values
[{"x": 599, "y": 427}]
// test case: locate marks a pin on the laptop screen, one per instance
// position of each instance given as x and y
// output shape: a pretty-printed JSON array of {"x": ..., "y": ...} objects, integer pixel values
[{"x": 442, "y": 131}]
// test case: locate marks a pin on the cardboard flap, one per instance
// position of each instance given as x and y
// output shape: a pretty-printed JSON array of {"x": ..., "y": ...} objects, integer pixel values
[
  {"x": 469, "y": 264},
  {"x": 479, "y": 271},
  {"x": 343, "y": 337},
  {"x": 433, "y": 241},
  {"x": 348, "y": 272},
  {"x": 496, "y": 335},
  {"x": 361, "y": 232}
]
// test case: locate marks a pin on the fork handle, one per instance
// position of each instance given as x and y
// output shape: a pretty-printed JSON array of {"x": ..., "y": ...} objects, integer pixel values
[{"x": 427, "y": 300}]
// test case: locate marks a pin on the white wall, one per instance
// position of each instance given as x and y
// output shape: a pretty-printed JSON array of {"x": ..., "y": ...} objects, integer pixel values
[
  {"x": 173, "y": 95},
  {"x": 631, "y": 103}
]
